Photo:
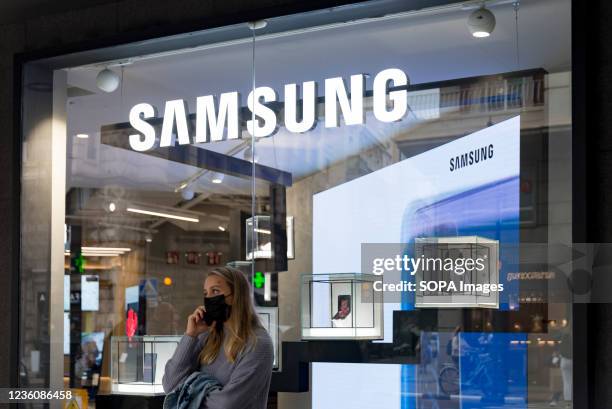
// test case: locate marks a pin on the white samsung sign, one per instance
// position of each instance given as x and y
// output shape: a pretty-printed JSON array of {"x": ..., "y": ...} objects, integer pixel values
[{"x": 217, "y": 119}]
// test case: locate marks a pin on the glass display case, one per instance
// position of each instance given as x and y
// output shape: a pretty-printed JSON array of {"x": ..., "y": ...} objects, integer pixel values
[
  {"x": 269, "y": 319},
  {"x": 341, "y": 306},
  {"x": 259, "y": 245},
  {"x": 137, "y": 364},
  {"x": 469, "y": 281},
  {"x": 244, "y": 266}
]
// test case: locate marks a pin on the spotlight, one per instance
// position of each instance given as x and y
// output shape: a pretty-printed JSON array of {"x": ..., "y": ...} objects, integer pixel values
[
  {"x": 187, "y": 194},
  {"x": 217, "y": 178},
  {"x": 112, "y": 207},
  {"x": 107, "y": 80},
  {"x": 148, "y": 238},
  {"x": 221, "y": 228},
  {"x": 256, "y": 25},
  {"x": 481, "y": 23}
]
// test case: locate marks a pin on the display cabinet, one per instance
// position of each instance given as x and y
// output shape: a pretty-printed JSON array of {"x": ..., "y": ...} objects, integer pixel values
[
  {"x": 137, "y": 363},
  {"x": 269, "y": 319},
  {"x": 244, "y": 266},
  {"x": 341, "y": 306},
  {"x": 259, "y": 244},
  {"x": 469, "y": 280}
]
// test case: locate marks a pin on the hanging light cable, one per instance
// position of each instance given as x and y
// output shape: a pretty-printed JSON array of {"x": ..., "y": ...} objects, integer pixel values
[
  {"x": 253, "y": 195},
  {"x": 254, "y": 25},
  {"x": 516, "y": 5},
  {"x": 121, "y": 90}
]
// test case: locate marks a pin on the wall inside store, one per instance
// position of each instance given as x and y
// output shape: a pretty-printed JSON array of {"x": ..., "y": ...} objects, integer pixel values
[{"x": 186, "y": 289}]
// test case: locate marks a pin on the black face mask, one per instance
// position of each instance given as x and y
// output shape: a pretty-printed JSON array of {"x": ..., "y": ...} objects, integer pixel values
[{"x": 216, "y": 310}]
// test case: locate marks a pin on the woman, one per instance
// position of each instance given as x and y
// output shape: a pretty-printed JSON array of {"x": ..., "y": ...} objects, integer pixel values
[{"x": 225, "y": 339}]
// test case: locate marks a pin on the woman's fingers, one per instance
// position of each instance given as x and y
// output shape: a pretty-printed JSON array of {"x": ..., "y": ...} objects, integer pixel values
[
  {"x": 198, "y": 314},
  {"x": 195, "y": 322},
  {"x": 193, "y": 318}
]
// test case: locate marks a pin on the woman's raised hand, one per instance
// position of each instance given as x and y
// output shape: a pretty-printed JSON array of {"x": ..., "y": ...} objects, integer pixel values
[{"x": 195, "y": 322}]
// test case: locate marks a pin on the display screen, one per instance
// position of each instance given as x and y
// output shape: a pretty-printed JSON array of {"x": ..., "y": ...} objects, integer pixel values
[
  {"x": 92, "y": 347},
  {"x": 441, "y": 192},
  {"x": 66, "y": 333},
  {"x": 90, "y": 293},
  {"x": 131, "y": 298},
  {"x": 66, "y": 292}
]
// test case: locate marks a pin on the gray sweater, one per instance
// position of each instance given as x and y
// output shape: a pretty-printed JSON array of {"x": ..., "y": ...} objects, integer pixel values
[{"x": 245, "y": 382}]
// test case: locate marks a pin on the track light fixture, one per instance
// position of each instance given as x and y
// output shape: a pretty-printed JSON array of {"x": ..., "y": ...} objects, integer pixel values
[
  {"x": 257, "y": 25},
  {"x": 481, "y": 22},
  {"x": 107, "y": 80}
]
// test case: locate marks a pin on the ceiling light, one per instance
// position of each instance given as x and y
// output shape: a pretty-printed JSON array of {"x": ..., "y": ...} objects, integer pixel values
[
  {"x": 112, "y": 207},
  {"x": 103, "y": 251},
  {"x": 221, "y": 228},
  {"x": 217, "y": 178},
  {"x": 163, "y": 214},
  {"x": 256, "y": 25},
  {"x": 82, "y": 135},
  {"x": 107, "y": 80},
  {"x": 92, "y": 251},
  {"x": 106, "y": 249},
  {"x": 148, "y": 238},
  {"x": 481, "y": 23}
]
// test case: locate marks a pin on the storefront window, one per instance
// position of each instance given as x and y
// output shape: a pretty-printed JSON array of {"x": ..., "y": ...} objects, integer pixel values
[{"x": 140, "y": 175}]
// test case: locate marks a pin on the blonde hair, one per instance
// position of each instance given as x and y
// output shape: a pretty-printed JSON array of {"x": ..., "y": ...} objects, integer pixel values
[{"x": 241, "y": 323}]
